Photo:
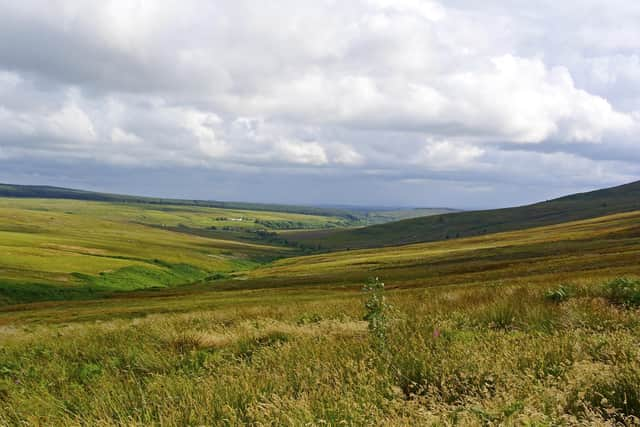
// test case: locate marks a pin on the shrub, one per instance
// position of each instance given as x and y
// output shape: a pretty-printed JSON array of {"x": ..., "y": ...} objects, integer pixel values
[
  {"x": 623, "y": 291},
  {"x": 560, "y": 294}
]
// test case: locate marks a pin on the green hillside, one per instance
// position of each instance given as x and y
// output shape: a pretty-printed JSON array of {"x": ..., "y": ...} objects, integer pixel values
[
  {"x": 599, "y": 246},
  {"x": 608, "y": 201},
  {"x": 58, "y": 249}
]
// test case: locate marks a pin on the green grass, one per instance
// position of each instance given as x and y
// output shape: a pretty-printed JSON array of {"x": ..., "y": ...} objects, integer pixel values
[
  {"x": 620, "y": 199},
  {"x": 382, "y": 216},
  {"x": 92, "y": 247},
  {"x": 530, "y": 327},
  {"x": 105, "y": 246}
]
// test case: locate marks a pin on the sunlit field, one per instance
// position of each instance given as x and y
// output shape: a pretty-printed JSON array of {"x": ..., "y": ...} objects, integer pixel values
[
  {"x": 524, "y": 328},
  {"x": 63, "y": 248}
]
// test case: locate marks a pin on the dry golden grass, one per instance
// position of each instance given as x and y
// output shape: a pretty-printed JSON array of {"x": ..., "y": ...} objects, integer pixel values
[{"x": 463, "y": 356}]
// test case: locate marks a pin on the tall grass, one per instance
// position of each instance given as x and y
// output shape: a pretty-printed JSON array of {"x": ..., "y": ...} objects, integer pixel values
[
  {"x": 465, "y": 356},
  {"x": 523, "y": 328}
]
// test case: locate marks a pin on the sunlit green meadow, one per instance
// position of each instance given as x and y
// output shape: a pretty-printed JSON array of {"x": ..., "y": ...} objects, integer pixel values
[{"x": 62, "y": 248}]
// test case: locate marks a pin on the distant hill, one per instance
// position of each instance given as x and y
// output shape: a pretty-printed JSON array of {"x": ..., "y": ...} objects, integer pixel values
[
  {"x": 613, "y": 200},
  {"x": 353, "y": 215},
  {"x": 383, "y": 215},
  {"x": 47, "y": 192}
]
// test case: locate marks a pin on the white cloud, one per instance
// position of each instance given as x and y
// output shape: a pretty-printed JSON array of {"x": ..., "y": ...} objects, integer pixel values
[
  {"x": 297, "y": 152},
  {"x": 524, "y": 101},
  {"x": 65, "y": 125},
  {"x": 71, "y": 123},
  {"x": 353, "y": 86},
  {"x": 445, "y": 155},
  {"x": 202, "y": 127},
  {"x": 424, "y": 8},
  {"x": 344, "y": 154},
  {"x": 8, "y": 81},
  {"x": 120, "y": 136}
]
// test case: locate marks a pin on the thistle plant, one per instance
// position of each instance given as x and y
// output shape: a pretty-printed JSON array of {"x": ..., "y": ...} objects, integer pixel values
[{"x": 376, "y": 312}]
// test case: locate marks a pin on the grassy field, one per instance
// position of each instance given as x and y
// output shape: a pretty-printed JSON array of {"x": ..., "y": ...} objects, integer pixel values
[
  {"x": 463, "y": 355},
  {"x": 65, "y": 248},
  {"x": 519, "y": 328}
]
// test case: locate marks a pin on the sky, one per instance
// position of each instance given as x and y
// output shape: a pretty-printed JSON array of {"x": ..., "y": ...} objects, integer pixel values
[{"x": 461, "y": 103}]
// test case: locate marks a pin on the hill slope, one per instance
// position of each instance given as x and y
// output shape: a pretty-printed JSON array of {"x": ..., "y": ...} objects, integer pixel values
[
  {"x": 48, "y": 192},
  {"x": 597, "y": 247},
  {"x": 58, "y": 249},
  {"x": 624, "y": 198},
  {"x": 354, "y": 216},
  {"x": 586, "y": 251}
]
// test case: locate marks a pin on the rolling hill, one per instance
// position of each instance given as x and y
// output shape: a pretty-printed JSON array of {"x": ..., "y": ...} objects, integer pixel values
[
  {"x": 59, "y": 249},
  {"x": 353, "y": 215},
  {"x": 585, "y": 251},
  {"x": 598, "y": 247},
  {"x": 58, "y": 243},
  {"x": 49, "y": 192},
  {"x": 592, "y": 204},
  {"x": 528, "y": 327}
]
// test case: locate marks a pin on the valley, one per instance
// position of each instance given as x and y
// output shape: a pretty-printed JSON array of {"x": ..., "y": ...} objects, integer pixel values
[{"x": 132, "y": 313}]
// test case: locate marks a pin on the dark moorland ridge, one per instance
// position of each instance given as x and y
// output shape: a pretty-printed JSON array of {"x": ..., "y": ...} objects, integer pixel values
[
  {"x": 354, "y": 214},
  {"x": 624, "y": 198},
  {"x": 48, "y": 192}
]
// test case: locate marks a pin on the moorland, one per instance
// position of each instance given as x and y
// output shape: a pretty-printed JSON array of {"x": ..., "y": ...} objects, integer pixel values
[{"x": 123, "y": 312}]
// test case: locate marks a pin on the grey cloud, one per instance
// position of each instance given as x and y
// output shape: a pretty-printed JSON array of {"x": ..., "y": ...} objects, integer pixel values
[{"x": 331, "y": 94}]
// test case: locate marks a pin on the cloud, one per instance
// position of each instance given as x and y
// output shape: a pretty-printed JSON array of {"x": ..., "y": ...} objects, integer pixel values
[
  {"x": 426, "y": 9},
  {"x": 119, "y": 136},
  {"x": 405, "y": 90},
  {"x": 444, "y": 155},
  {"x": 298, "y": 152},
  {"x": 344, "y": 154},
  {"x": 70, "y": 123}
]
